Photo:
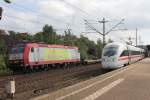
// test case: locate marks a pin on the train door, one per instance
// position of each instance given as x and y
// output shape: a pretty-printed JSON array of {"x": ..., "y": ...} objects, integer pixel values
[
  {"x": 36, "y": 54},
  {"x": 129, "y": 55}
]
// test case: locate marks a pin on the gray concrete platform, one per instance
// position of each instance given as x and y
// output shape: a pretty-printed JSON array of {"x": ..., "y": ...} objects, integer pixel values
[{"x": 128, "y": 83}]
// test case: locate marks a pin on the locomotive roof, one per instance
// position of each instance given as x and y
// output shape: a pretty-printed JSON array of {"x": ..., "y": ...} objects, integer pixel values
[
  {"x": 50, "y": 45},
  {"x": 116, "y": 44},
  {"x": 124, "y": 44}
]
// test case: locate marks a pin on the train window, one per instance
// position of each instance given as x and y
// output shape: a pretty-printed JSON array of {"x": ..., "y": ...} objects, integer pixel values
[
  {"x": 124, "y": 53},
  {"x": 21, "y": 49},
  {"x": 32, "y": 49},
  {"x": 135, "y": 53},
  {"x": 14, "y": 50},
  {"x": 110, "y": 51}
]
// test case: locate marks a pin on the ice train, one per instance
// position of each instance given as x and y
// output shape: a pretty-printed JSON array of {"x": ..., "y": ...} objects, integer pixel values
[{"x": 116, "y": 55}]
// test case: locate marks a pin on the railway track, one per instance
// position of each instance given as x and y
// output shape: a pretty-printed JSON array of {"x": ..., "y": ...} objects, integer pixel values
[{"x": 34, "y": 84}]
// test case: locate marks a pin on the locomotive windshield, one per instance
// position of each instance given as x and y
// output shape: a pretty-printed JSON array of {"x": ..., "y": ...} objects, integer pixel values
[
  {"x": 17, "y": 50},
  {"x": 110, "y": 51}
]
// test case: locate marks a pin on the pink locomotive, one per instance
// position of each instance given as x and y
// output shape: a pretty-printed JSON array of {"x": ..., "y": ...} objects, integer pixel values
[{"x": 37, "y": 55}]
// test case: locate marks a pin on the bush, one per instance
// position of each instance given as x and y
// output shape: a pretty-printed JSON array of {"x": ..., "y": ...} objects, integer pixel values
[
  {"x": 2, "y": 63},
  {"x": 3, "y": 68}
]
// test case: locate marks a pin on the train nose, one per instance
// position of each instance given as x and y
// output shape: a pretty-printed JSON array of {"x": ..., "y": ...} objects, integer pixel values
[
  {"x": 109, "y": 62},
  {"x": 109, "y": 59}
]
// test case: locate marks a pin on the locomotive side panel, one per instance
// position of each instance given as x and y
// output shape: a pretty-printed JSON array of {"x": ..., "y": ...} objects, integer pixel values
[
  {"x": 47, "y": 55},
  {"x": 135, "y": 54},
  {"x": 123, "y": 57},
  {"x": 31, "y": 54}
]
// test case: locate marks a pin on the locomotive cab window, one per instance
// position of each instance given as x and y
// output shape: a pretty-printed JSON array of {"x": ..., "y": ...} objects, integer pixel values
[
  {"x": 32, "y": 49},
  {"x": 110, "y": 51},
  {"x": 124, "y": 53}
]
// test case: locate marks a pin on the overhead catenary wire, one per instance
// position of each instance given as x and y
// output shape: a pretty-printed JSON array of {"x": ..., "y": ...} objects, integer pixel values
[
  {"x": 45, "y": 16},
  {"x": 22, "y": 19},
  {"x": 115, "y": 26},
  {"x": 11, "y": 27},
  {"x": 19, "y": 18},
  {"x": 79, "y": 9},
  {"x": 86, "y": 14},
  {"x": 38, "y": 14},
  {"x": 102, "y": 33},
  {"x": 48, "y": 17},
  {"x": 25, "y": 20},
  {"x": 34, "y": 11},
  {"x": 92, "y": 27},
  {"x": 73, "y": 6},
  {"x": 29, "y": 21},
  {"x": 41, "y": 14}
]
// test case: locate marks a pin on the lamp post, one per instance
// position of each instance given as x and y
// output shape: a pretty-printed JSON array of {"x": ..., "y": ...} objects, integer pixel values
[
  {"x": 1, "y": 10},
  {"x": 7, "y": 1}
]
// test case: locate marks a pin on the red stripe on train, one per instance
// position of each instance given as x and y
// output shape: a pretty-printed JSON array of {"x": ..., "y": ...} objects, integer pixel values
[
  {"x": 130, "y": 57},
  {"x": 53, "y": 62}
]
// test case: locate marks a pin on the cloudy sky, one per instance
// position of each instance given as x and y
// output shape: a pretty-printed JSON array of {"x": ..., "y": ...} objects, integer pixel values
[{"x": 31, "y": 15}]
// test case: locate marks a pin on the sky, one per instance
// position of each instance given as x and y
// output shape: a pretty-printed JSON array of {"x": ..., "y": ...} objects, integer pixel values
[{"x": 31, "y": 15}]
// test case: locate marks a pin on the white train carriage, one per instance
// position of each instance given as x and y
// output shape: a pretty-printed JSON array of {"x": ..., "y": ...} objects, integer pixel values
[{"x": 116, "y": 55}]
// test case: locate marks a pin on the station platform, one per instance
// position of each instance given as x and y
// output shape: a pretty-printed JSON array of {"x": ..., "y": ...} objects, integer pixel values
[{"x": 128, "y": 83}]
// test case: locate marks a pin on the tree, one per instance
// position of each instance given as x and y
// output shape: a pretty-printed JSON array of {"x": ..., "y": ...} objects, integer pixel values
[
  {"x": 110, "y": 40},
  {"x": 3, "y": 55},
  {"x": 49, "y": 35},
  {"x": 2, "y": 47},
  {"x": 17, "y": 36},
  {"x": 99, "y": 47},
  {"x": 12, "y": 34},
  {"x": 69, "y": 38},
  {"x": 87, "y": 48},
  {"x": 38, "y": 37}
]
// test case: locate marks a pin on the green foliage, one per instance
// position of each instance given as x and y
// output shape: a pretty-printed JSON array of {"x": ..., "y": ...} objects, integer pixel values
[
  {"x": 2, "y": 63},
  {"x": 3, "y": 56},
  {"x": 49, "y": 35},
  {"x": 69, "y": 38},
  {"x": 4, "y": 70},
  {"x": 2, "y": 46},
  {"x": 38, "y": 37},
  {"x": 99, "y": 48},
  {"x": 110, "y": 41},
  {"x": 20, "y": 36}
]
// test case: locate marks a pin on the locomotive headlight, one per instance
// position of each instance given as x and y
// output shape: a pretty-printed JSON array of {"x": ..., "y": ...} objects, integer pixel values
[{"x": 114, "y": 59}]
